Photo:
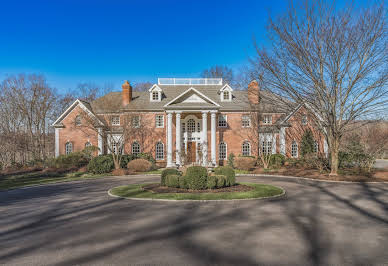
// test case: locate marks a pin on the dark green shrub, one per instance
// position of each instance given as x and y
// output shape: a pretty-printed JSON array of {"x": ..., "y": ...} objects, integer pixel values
[
  {"x": 228, "y": 172},
  {"x": 89, "y": 152},
  {"x": 165, "y": 173},
  {"x": 172, "y": 181},
  {"x": 231, "y": 160},
  {"x": 212, "y": 182},
  {"x": 307, "y": 143},
  {"x": 146, "y": 156},
  {"x": 125, "y": 159},
  {"x": 75, "y": 159},
  {"x": 196, "y": 177},
  {"x": 183, "y": 182},
  {"x": 1, "y": 166},
  {"x": 221, "y": 181},
  {"x": 101, "y": 164},
  {"x": 277, "y": 160}
]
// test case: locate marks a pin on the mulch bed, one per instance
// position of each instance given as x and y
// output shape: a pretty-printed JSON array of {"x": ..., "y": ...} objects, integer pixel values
[{"x": 156, "y": 188}]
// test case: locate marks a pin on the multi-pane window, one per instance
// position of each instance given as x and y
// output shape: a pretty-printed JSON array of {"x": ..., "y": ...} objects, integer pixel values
[
  {"x": 222, "y": 151},
  {"x": 198, "y": 127},
  {"x": 191, "y": 125},
  {"x": 117, "y": 148},
  {"x": 159, "y": 154},
  {"x": 68, "y": 147},
  {"x": 183, "y": 127},
  {"x": 78, "y": 120},
  {"x": 135, "y": 148},
  {"x": 136, "y": 121},
  {"x": 88, "y": 144},
  {"x": 294, "y": 149},
  {"x": 316, "y": 147},
  {"x": 116, "y": 120},
  {"x": 159, "y": 121},
  {"x": 246, "y": 121},
  {"x": 155, "y": 96},
  {"x": 246, "y": 149},
  {"x": 267, "y": 119},
  {"x": 226, "y": 95},
  {"x": 304, "y": 120},
  {"x": 222, "y": 121},
  {"x": 266, "y": 147}
]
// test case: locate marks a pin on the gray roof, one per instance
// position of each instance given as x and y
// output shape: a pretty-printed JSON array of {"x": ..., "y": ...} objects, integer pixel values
[{"x": 112, "y": 102}]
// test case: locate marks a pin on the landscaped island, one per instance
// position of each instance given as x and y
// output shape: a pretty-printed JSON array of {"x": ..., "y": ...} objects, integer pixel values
[{"x": 196, "y": 183}]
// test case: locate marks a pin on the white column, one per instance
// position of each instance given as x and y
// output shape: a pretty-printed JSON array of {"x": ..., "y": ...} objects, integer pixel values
[
  {"x": 213, "y": 137},
  {"x": 282, "y": 140},
  {"x": 100, "y": 143},
  {"x": 326, "y": 148},
  {"x": 178, "y": 137},
  {"x": 56, "y": 142},
  {"x": 204, "y": 138},
  {"x": 169, "y": 139}
]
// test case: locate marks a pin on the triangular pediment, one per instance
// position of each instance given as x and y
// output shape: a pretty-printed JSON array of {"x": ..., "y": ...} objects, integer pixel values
[{"x": 192, "y": 96}]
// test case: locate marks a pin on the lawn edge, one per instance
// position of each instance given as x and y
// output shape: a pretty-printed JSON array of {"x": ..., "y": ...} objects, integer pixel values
[{"x": 280, "y": 196}]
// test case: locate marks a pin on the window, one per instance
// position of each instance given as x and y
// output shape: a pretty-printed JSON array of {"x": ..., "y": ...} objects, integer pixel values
[
  {"x": 222, "y": 121},
  {"x": 316, "y": 147},
  {"x": 68, "y": 147},
  {"x": 136, "y": 121},
  {"x": 246, "y": 149},
  {"x": 222, "y": 151},
  {"x": 226, "y": 95},
  {"x": 191, "y": 126},
  {"x": 115, "y": 120},
  {"x": 159, "y": 120},
  {"x": 78, "y": 120},
  {"x": 159, "y": 154},
  {"x": 135, "y": 148},
  {"x": 198, "y": 127},
  {"x": 267, "y": 119},
  {"x": 294, "y": 149},
  {"x": 155, "y": 96},
  {"x": 183, "y": 127},
  {"x": 266, "y": 147},
  {"x": 88, "y": 144},
  {"x": 117, "y": 148},
  {"x": 304, "y": 120},
  {"x": 246, "y": 121}
]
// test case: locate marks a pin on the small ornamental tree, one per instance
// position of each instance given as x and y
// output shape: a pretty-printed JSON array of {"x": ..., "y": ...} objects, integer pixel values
[{"x": 307, "y": 144}]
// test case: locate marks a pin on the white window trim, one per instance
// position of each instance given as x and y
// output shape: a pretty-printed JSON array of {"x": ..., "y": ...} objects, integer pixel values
[
  {"x": 242, "y": 148},
  {"x": 155, "y": 88},
  {"x": 71, "y": 145},
  {"x": 226, "y": 121},
  {"x": 297, "y": 149},
  {"x": 112, "y": 120},
  {"x": 139, "y": 125},
  {"x": 230, "y": 90},
  {"x": 270, "y": 120},
  {"x": 226, "y": 151},
  {"x": 156, "y": 151},
  {"x": 250, "y": 121},
  {"x": 156, "y": 121},
  {"x": 132, "y": 147}
]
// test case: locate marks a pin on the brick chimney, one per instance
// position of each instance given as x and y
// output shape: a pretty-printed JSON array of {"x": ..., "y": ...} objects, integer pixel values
[
  {"x": 253, "y": 92},
  {"x": 127, "y": 93}
]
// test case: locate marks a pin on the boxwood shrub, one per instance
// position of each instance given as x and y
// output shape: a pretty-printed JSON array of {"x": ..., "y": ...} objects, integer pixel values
[
  {"x": 228, "y": 172},
  {"x": 212, "y": 182},
  {"x": 172, "y": 181},
  {"x": 165, "y": 173},
  {"x": 221, "y": 181},
  {"x": 196, "y": 177},
  {"x": 101, "y": 164}
]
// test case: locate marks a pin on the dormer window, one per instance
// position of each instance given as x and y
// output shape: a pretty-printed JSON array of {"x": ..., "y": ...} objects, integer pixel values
[
  {"x": 226, "y": 93},
  {"x": 155, "y": 93}
]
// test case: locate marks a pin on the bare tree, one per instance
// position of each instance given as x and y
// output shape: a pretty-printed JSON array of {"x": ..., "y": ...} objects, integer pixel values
[
  {"x": 142, "y": 86},
  {"x": 219, "y": 71},
  {"x": 332, "y": 62}
]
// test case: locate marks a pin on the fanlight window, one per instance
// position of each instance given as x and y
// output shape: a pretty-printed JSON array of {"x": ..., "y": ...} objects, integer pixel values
[
  {"x": 68, "y": 147},
  {"x": 246, "y": 149},
  {"x": 191, "y": 125},
  {"x": 88, "y": 144},
  {"x": 135, "y": 148},
  {"x": 159, "y": 154}
]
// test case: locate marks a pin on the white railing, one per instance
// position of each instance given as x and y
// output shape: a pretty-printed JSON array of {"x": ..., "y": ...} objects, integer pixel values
[{"x": 189, "y": 81}]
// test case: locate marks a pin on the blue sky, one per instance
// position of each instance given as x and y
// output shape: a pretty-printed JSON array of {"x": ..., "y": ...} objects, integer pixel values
[{"x": 111, "y": 41}]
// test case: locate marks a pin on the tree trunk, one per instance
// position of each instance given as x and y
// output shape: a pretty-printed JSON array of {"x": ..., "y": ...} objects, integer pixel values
[{"x": 334, "y": 150}]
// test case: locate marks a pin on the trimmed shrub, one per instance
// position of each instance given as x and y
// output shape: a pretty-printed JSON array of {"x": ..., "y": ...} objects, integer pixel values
[
  {"x": 183, "y": 182},
  {"x": 139, "y": 165},
  {"x": 125, "y": 159},
  {"x": 165, "y": 173},
  {"x": 146, "y": 156},
  {"x": 101, "y": 164},
  {"x": 75, "y": 159},
  {"x": 228, "y": 172},
  {"x": 231, "y": 160},
  {"x": 221, "y": 181},
  {"x": 212, "y": 182},
  {"x": 277, "y": 160},
  {"x": 244, "y": 163},
  {"x": 196, "y": 177},
  {"x": 172, "y": 181}
]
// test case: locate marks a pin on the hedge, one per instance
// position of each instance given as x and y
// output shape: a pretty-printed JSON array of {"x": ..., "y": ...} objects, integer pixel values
[
  {"x": 101, "y": 164},
  {"x": 167, "y": 172},
  {"x": 196, "y": 177},
  {"x": 228, "y": 172}
]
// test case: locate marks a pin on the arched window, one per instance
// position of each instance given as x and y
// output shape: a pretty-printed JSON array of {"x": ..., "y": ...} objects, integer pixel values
[
  {"x": 68, "y": 147},
  {"x": 246, "y": 149},
  {"x": 78, "y": 120},
  {"x": 88, "y": 144},
  {"x": 222, "y": 151},
  {"x": 316, "y": 147},
  {"x": 294, "y": 149},
  {"x": 191, "y": 125},
  {"x": 135, "y": 148},
  {"x": 159, "y": 154}
]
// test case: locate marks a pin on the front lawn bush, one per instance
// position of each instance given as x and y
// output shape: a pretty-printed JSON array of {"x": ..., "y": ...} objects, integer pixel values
[
  {"x": 244, "y": 163},
  {"x": 139, "y": 165},
  {"x": 172, "y": 181},
  {"x": 101, "y": 164},
  {"x": 165, "y": 173},
  {"x": 231, "y": 160},
  {"x": 75, "y": 159},
  {"x": 228, "y": 172},
  {"x": 125, "y": 159},
  {"x": 196, "y": 177},
  {"x": 146, "y": 156},
  {"x": 221, "y": 181},
  {"x": 277, "y": 160},
  {"x": 212, "y": 182},
  {"x": 183, "y": 182}
]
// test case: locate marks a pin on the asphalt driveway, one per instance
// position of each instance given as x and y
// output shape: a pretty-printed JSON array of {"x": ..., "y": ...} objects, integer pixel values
[{"x": 78, "y": 223}]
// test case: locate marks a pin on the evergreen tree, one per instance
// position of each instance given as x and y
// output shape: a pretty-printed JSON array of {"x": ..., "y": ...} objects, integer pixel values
[{"x": 307, "y": 145}]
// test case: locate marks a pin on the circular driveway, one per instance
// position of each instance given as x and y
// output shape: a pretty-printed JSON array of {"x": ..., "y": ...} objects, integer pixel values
[{"x": 79, "y": 223}]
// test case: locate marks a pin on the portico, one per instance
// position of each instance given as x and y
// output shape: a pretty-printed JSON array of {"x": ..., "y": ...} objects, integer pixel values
[{"x": 191, "y": 137}]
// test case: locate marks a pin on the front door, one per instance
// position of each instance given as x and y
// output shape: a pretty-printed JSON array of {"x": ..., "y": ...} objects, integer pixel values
[{"x": 191, "y": 152}]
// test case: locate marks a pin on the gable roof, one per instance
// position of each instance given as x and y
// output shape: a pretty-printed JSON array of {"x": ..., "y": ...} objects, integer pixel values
[{"x": 209, "y": 101}]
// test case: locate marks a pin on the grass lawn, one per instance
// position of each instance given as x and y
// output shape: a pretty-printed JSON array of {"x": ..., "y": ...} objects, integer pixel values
[
  {"x": 136, "y": 191},
  {"x": 35, "y": 178}
]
